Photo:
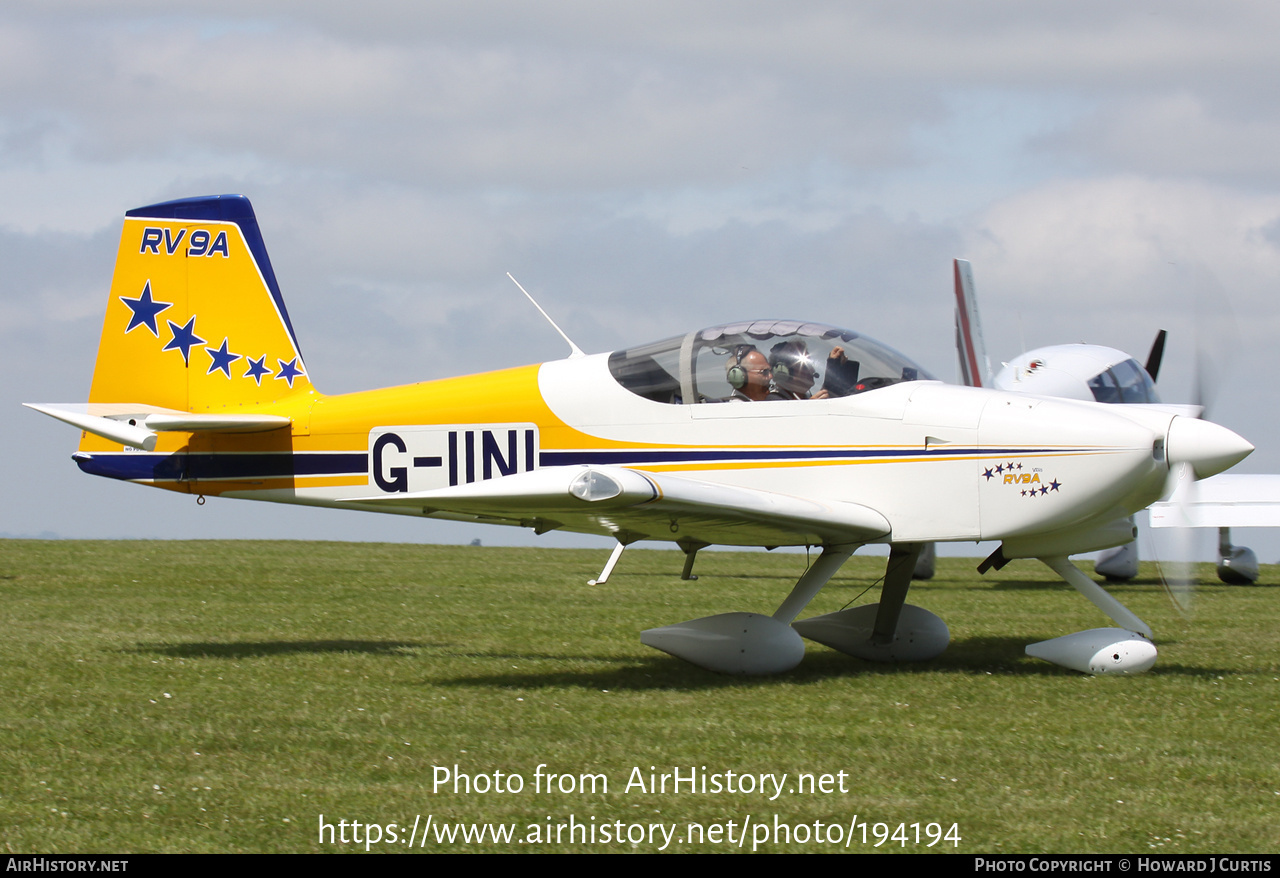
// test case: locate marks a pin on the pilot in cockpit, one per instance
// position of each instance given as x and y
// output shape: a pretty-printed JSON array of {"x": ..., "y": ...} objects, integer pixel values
[{"x": 748, "y": 374}]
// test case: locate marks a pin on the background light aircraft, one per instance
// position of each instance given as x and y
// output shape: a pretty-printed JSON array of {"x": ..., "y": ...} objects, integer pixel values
[
  {"x": 1107, "y": 375},
  {"x": 200, "y": 387}
]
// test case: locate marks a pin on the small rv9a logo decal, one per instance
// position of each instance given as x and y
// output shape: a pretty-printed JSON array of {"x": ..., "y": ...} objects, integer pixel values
[
  {"x": 201, "y": 243},
  {"x": 1029, "y": 481}
]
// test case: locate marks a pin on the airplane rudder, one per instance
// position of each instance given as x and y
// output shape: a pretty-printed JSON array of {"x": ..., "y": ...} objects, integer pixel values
[{"x": 195, "y": 304}]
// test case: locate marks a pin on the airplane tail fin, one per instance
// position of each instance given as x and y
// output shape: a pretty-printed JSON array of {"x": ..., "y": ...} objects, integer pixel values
[
  {"x": 975, "y": 368},
  {"x": 195, "y": 321}
]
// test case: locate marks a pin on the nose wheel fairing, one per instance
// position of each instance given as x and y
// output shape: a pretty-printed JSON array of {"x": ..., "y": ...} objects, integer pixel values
[{"x": 1098, "y": 651}]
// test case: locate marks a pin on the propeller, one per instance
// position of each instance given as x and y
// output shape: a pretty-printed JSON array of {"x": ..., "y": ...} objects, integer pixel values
[
  {"x": 1156, "y": 355},
  {"x": 1195, "y": 449},
  {"x": 1176, "y": 552}
]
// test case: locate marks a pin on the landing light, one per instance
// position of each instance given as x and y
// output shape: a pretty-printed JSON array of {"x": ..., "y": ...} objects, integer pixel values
[{"x": 593, "y": 486}]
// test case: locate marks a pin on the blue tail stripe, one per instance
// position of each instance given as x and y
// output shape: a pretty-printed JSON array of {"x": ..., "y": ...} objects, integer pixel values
[{"x": 171, "y": 467}]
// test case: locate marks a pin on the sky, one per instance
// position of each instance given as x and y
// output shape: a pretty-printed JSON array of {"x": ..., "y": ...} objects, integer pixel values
[{"x": 642, "y": 169}]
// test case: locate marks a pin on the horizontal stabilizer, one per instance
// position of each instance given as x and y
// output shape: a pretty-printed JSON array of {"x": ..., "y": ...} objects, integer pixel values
[
  {"x": 136, "y": 425},
  {"x": 184, "y": 422}
]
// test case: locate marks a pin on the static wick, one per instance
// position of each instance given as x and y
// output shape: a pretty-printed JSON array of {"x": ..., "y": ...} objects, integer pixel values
[{"x": 576, "y": 351}]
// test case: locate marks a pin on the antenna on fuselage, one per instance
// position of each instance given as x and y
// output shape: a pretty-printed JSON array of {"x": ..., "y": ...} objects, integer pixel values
[{"x": 576, "y": 351}]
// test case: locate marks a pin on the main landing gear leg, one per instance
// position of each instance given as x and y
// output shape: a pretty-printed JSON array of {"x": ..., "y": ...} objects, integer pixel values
[
  {"x": 891, "y": 630},
  {"x": 1125, "y": 650},
  {"x": 749, "y": 643},
  {"x": 812, "y": 581}
]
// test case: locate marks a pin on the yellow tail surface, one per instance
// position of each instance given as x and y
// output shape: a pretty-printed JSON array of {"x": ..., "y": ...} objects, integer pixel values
[{"x": 195, "y": 320}]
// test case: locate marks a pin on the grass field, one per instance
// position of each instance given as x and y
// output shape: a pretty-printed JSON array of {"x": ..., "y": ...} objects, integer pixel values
[{"x": 221, "y": 696}]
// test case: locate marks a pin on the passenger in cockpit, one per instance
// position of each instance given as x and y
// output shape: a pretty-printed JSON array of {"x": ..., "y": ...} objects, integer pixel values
[
  {"x": 748, "y": 374},
  {"x": 793, "y": 371}
]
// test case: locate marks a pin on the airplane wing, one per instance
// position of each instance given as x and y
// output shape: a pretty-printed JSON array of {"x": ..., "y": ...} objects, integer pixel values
[
  {"x": 1222, "y": 501},
  {"x": 633, "y": 505}
]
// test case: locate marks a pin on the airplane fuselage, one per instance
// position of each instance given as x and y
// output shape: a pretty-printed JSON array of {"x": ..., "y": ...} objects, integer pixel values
[{"x": 938, "y": 462}]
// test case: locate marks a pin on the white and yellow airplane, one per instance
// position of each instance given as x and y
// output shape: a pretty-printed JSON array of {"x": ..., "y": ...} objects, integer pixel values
[{"x": 200, "y": 388}]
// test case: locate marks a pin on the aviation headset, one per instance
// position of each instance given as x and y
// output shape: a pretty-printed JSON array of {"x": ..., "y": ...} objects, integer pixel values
[{"x": 737, "y": 374}]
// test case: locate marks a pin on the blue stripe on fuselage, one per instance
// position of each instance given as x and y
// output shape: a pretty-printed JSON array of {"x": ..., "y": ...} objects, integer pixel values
[
  {"x": 630, "y": 457},
  {"x": 144, "y": 467}
]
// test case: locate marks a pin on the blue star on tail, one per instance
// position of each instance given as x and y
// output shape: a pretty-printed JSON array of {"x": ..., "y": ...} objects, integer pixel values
[
  {"x": 184, "y": 339},
  {"x": 288, "y": 371},
  {"x": 144, "y": 310},
  {"x": 222, "y": 359},
  {"x": 257, "y": 369}
]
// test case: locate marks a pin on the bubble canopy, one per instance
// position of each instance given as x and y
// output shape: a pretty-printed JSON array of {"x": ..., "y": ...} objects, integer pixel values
[
  {"x": 804, "y": 360},
  {"x": 1126, "y": 381}
]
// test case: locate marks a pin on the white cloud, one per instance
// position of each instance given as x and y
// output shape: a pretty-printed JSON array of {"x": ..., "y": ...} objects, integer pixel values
[
  {"x": 1176, "y": 133},
  {"x": 1127, "y": 242}
]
